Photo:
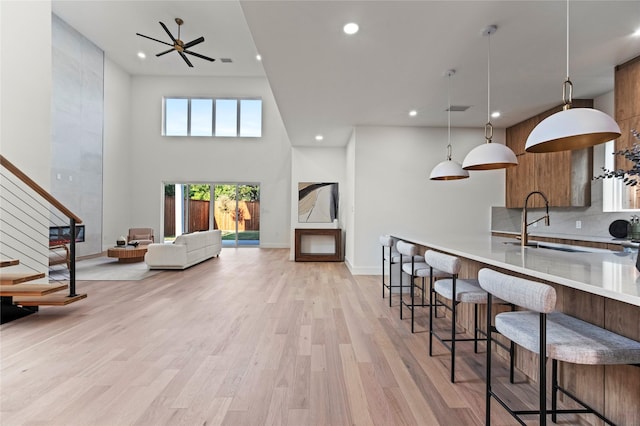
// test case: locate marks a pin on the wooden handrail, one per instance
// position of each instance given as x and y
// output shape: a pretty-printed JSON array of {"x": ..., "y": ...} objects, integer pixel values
[{"x": 37, "y": 188}]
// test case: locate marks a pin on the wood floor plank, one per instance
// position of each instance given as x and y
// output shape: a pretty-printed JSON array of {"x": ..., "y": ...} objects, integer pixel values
[{"x": 251, "y": 338}]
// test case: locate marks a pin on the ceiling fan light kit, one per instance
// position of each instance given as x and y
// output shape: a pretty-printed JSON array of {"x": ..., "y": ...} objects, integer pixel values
[
  {"x": 489, "y": 156},
  {"x": 178, "y": 45},
  {"x": 571, "y": 129},
  {"x": 448, "y": 169}
]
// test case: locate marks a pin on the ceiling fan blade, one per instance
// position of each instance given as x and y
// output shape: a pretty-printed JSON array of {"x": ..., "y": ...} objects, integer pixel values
[
  {"x": 154, "y": 39},
  {"x": 185, "y": 59},
  {"x": 194, "y": 42},
  {"x": 165, "y": 52},
  {"x": 199, "y": 55},
  {"x": 168, "y": 32}
]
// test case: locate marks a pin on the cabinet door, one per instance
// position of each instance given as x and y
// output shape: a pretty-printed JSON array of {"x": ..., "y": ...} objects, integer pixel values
[
  {"x": 562, "y": 176},
  {"x": 520, "y": 181}
]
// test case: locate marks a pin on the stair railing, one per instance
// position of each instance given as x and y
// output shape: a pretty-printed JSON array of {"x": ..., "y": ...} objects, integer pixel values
[{"x": 27, "y": 210}]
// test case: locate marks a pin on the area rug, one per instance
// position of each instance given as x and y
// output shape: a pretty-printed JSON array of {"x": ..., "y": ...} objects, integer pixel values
[{"x": 104, "y": 269}]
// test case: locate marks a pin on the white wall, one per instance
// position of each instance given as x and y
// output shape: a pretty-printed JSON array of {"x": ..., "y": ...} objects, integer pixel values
[
  {"x": 311, "y": 164},
  {"x": 157, "y": 159},
  {"x": 117, "y": 164},
  {"x": 25, "y": 115},
  {"x": 349, "y": 199},
  {"x": 25, "y": 81},
  {"x": 393, "y": 193}
]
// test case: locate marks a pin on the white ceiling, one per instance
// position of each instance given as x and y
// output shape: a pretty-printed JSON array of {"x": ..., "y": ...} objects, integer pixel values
[{"x": 326, "y": 82}]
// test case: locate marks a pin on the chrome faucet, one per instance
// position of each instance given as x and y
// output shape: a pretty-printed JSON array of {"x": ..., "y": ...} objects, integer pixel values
[{"x": 524, "y": 236}]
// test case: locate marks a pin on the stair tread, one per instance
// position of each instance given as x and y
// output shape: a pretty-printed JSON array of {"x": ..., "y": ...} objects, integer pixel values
[
  {"x": 9, "y": 262},
  {"x": 30, "y": 289},
  {"x": 14, "y": 278},
  {"x": 57, "y": 299}
]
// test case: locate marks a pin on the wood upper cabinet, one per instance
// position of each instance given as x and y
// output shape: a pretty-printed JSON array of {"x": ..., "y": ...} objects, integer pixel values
[
  {"x": 564, "y": 177},
  {"x": 627, "y": 106}
]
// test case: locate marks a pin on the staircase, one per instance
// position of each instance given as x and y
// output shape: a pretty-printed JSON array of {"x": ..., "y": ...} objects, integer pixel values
[
  {"x": 28, "y": 213},
  {"x": 20, "y": 297}
]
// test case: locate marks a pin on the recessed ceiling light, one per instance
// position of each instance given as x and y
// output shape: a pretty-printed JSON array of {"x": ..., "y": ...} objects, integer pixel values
[
  {"x": 141, "y": 55},
  {"x": 319, "y": 137},
  {"x": 258, "y": 57},
  {"x": 495, "y": 114},
  {"x": 636, "y": 33},
  {"x": 413, "y": 113},
  {"x": 351, "y": 28}
]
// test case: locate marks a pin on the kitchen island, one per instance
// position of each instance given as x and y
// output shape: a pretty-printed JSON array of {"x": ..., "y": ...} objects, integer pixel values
[{"x": 600, "y": 287}]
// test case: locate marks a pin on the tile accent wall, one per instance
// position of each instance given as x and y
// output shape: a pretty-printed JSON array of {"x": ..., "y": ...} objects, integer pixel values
[{"x": 77, "y": 129}]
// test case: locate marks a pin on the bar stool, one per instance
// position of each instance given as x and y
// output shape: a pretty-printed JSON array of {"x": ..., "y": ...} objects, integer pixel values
[
  {"x": 415, "y": 269},
  {"x": 391, "y": 257},
  {"x": 457, "y": 291},
  {"x": 551, "y": 335}
]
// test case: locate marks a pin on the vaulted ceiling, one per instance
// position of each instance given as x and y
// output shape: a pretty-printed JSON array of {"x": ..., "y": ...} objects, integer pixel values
[{"x": 326, "y": 82}]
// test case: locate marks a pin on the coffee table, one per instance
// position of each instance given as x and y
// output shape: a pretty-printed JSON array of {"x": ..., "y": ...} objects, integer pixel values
[{"x": 127, "y": 254}]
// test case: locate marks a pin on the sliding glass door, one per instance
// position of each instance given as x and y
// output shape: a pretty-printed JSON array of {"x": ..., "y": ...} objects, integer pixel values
[
  {"x": 235, "y": 210},
  {"x": 237, "y": 214}
]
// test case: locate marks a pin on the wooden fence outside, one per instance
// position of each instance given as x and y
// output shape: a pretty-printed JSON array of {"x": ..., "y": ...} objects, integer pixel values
[{"x": 249, "y": 212}]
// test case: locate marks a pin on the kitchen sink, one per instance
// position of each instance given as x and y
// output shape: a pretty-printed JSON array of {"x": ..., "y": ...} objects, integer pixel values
[{"x": 561, "y": 247}]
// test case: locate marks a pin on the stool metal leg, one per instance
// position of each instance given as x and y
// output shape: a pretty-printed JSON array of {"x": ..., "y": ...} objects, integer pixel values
[
  {"x": 488, "y": 366},
  {"x": 475, "y": 328},
  {"x": 401, "y": 293},
  {"x": 413, "y": 284},
  {"x": 391, "y": 275},
  {"x": 454, "y": 305},
  {"x": 431, "y": 302},
  {"x": 383, "y": 276},
  {"x": 554, "y": 389},
  {"x": 542, "y": 379}
]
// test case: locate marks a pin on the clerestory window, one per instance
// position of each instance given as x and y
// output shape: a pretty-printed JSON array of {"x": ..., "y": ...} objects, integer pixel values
[{"x": 221, "y": 117}]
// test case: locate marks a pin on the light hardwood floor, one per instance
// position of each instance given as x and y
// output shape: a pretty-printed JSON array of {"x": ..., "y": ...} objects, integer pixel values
[{"x": 248, "y": 338}]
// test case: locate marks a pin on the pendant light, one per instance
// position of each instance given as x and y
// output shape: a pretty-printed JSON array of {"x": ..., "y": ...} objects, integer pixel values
[
  {"x": 571, "y": 129},
  {"x": 448, "y": 169},
  {"x": 489, "y": 156}
]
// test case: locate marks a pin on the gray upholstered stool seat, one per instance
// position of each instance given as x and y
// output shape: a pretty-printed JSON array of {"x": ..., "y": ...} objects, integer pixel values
[
  {"x": 390, "y": 257},
  {"x": 559, "y": 336},
  {"x": 569, "y": 339},
  {"x": 456, "y": 291},
  {"x": 421, "y": 269}
]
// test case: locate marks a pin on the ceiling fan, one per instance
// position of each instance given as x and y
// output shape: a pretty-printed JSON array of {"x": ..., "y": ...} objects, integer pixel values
[{"x": 178, "y": 45}]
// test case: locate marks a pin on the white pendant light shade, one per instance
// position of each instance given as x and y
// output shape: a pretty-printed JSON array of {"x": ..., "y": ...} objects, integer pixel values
[
  {"x": 489, "y": 156},
  {"x": 570, "y": 129},
  {"x": 448, "y": 170}
]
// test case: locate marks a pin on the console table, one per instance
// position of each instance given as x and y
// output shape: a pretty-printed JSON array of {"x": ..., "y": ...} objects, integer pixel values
[{"x": 304, "y": 250}]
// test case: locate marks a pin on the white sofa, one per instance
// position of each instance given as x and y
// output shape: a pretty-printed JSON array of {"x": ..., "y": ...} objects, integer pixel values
[{"x": 186, "y": 250}]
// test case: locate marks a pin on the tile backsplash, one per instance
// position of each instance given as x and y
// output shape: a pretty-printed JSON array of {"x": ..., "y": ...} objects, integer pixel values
[{"x": 594, "y": 222}]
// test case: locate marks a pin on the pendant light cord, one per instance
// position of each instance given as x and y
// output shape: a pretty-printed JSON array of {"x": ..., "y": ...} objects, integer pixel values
[
  {"x": 488, "y": 128},
  {"x": 567, "y": 40},
  {"x": 567, "y": 86},
  {"x": 489, "y": 78},
  {"x": 449, "y": 118}
]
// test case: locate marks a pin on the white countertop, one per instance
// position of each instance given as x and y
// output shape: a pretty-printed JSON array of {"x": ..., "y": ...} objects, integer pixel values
[{"x": 609, "y": 274}]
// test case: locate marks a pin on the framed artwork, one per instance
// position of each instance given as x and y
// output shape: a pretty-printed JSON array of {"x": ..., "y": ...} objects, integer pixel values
[{"x": 317, "y": 202}]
